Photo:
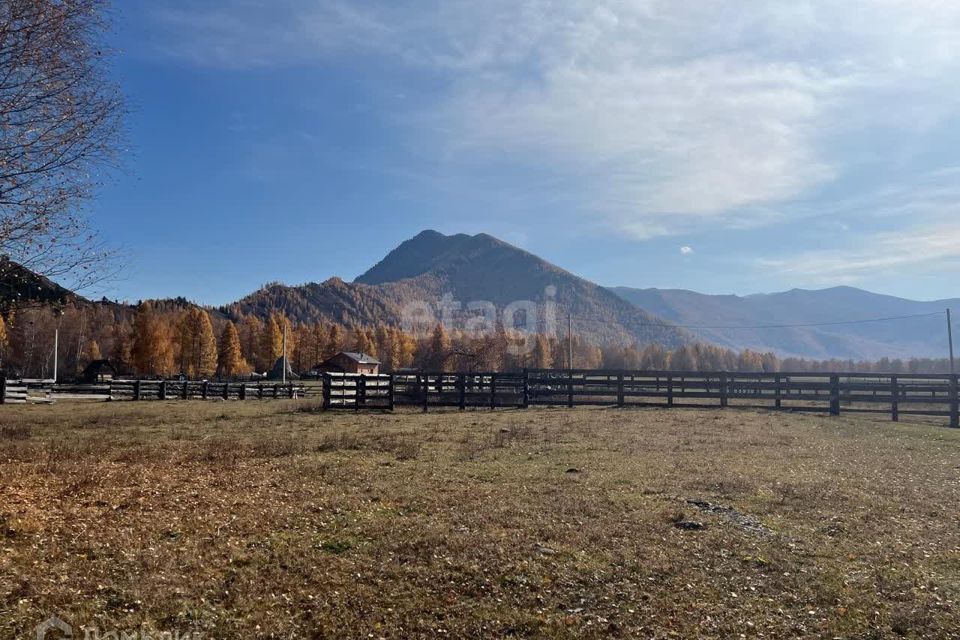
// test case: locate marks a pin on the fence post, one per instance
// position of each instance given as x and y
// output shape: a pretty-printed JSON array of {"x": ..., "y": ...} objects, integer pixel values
[
  {"x": 290, "y": 389},
  {"x": 390, "y": 398},
  {"x": 326, "y": 391},
  {"x": 954, "y": 402},
  {"x": 526, "y": 389},
  {"x": 493, "y": 391},
  {"x": 569, "y": 389},
  {"x": 136, "y": 390},
  {"x": 620, "y": 399},
  {"x": 163, "y": 389},
  {"x": 226, "y": 390},
  {"x": 777, "y": 403},
  {"x": 723, "y": 389},
  {"x": 276, "y": 391},
  {"x": 361, "y": 397},
  {"x": 426, "y": 392},
  {"x": 243, "y": 390},
  {"x": 894, "y": 399},
  {"x": 834, "y": 395},
  {"x": 669, "y": 391},
  {"x": 259, "y": 391},
  {"x": 3, "y": 388},
  {"x": 185, "y": 391},
  {"x": 204, "y": 389},
  {"x": 462, "y": 381}
]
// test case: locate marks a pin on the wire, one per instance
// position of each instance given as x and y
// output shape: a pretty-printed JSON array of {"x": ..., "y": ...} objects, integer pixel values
[{"x": 793, "y": 326}]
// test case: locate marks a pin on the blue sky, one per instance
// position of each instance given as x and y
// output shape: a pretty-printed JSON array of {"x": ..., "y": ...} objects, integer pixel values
[{"x": 726, "y": 147}]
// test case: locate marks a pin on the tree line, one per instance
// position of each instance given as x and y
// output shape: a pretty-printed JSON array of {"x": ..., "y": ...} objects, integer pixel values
[{"x": 162, "y": 339}]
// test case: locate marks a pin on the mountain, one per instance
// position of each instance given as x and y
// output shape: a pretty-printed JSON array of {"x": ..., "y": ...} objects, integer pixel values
[
  {"x": 467, "y": 268},
  {"x": 914, "y": 337},
  {"x": 19, "y": 285}
]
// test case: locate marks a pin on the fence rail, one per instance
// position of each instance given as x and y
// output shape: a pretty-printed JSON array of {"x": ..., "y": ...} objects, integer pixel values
[
  {"x": 897, "y": 395},
  {"x": 833, "y": 393}
]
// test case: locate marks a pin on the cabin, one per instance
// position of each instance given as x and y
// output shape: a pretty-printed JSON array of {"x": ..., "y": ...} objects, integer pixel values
[
  {"x": 98, "y": 371},
  {"x": 350, "y": 362}
]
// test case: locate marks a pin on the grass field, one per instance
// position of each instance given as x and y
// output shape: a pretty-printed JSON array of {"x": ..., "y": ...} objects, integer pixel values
[{"x": 267, "y": 520}]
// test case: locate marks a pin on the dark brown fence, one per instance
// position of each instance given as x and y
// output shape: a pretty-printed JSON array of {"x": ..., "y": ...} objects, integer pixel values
[
  {"x": 897, "y": 395},
  {"x": 934, "y": 395}
]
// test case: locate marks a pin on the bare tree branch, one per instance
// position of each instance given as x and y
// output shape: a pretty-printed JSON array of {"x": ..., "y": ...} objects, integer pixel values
[{"x": 60, "y": 128}]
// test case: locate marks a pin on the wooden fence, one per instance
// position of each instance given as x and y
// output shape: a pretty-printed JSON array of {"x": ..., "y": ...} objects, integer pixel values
[
  {"x": 898, "y": 395},
  {"x": 23, "y": 391}
]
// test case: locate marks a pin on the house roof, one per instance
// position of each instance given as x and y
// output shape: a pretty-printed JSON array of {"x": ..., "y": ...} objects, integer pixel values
[{"x": 361, "y": 358}]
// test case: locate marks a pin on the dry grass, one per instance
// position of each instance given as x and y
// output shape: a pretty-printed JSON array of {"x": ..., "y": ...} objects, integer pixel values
[{"x": 260, "y": 520}]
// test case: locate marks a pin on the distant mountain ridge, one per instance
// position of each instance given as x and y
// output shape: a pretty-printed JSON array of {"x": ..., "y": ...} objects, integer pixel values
[
  {"x": 913, "y": 337},
  {"x": 467, "y": 268}
]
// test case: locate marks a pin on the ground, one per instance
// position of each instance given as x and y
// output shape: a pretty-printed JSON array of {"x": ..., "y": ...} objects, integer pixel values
[{"x": 274, "y": 520}]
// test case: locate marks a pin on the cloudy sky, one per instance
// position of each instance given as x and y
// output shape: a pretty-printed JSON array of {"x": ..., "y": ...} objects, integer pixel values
[{"x": 721, "y": 146}]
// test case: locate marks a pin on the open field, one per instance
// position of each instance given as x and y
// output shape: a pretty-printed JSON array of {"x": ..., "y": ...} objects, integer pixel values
[{"x": 265, "y": 520}]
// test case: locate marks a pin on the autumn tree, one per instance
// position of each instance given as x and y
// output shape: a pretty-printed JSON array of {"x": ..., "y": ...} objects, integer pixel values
[
  {"x": 60, "y": 128},
  {"x": 4, "y": 340},
  {"x": 542, "y": 358},
  {"x": 271, "y": 344},
  {"x": 94, "y": 350},
  {"x": 438, "y": 349},
  {"x": 335, "y": 340},
  {"x": 152, "y": 349},
  {"x": 230, "y": 362},
  {"x": 198, "y": 346}
]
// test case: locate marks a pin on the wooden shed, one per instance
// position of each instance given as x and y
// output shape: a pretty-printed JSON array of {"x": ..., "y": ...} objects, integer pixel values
[{"x": 350, "y": 362}]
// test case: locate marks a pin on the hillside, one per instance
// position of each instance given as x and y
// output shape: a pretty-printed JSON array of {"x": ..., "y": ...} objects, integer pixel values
[
  {"x": 468, "y": 268},
  {"x": 920, "y": 337},
  {"x": 19, "y": 285}
]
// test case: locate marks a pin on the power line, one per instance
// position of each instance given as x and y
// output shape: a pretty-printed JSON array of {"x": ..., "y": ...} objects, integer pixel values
[{"x": 793, "y": 326}]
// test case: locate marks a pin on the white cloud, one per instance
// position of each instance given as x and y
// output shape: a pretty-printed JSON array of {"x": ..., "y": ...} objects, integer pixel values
[
  {"x": 660, "y": 116},
  {"x": 686, "y": 250},
  {"x": 875, "y": 255}
]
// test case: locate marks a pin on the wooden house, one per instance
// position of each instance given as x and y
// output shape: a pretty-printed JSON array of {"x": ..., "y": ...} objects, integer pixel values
[{"x": 350, "y": 362}]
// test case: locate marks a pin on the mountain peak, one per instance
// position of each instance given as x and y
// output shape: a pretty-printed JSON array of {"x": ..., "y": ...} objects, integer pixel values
[{"x": 431, "y": 252}]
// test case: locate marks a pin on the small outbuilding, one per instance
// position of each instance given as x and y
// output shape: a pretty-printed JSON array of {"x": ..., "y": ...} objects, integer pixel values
[
  {"x": 277, "y": 372},
  {"x": 98, "y": 371},
  {"x": 350, "y": 362}
]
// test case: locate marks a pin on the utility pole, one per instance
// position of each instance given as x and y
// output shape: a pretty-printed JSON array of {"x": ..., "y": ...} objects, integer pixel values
[
  {"x": 569, "y": 342},
  {"x": 950, "y": 340}
]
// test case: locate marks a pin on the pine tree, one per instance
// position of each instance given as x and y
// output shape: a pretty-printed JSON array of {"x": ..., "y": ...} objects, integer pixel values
[{"x": 230, "y": 362}]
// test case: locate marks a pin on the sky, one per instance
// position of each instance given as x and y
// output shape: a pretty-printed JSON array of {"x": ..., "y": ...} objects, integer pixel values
[{"x": 713, "y": 145}]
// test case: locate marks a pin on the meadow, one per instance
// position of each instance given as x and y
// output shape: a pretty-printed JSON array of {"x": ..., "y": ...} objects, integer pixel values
[{"x": 277, "y": 520}]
